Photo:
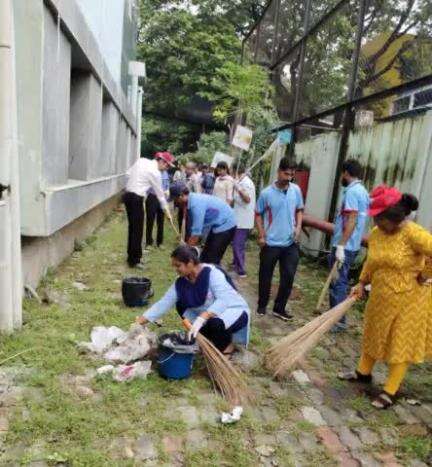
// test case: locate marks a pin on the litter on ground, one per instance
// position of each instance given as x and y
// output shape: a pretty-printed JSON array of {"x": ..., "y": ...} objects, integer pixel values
[{"x": 127, "y": 349}]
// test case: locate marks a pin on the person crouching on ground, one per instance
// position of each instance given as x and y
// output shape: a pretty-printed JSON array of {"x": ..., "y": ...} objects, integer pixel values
[
  {"x": 205, "y": 295},
  {"x": 398, "y": 312},
  {"x": 279, "y": 215},
  {"x": 205, "y": 214}
]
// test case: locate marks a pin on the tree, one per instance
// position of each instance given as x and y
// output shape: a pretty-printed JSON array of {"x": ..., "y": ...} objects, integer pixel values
[
  {"x": 182, "y": 54},
  {"x": 239, "y": 89},
  {"x": 164, "y": 134}
]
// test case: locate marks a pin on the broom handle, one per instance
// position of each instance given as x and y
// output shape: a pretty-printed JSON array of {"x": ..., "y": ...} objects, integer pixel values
[
  {"x": 171, "y": 221},
  {"x": 187, "y": 324},
  {"x": 326, "y": 286}
]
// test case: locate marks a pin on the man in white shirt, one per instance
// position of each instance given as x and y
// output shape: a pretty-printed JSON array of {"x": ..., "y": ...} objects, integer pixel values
[
  {"x": 144, "y": 175},
  {"x": 244, "y": 210}
]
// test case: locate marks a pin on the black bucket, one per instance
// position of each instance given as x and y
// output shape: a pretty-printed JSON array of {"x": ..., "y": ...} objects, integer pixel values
[{"x": 136, "y": 291}]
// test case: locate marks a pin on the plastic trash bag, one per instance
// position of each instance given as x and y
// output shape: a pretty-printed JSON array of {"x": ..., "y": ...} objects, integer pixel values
[
  {"x": 102, "y": 338},
  {"x": 119, "y": 346},
  {"x": 129, "y": 372},
  {"x": 232, "y": 417},
  {"x": 178, "y": 342}
]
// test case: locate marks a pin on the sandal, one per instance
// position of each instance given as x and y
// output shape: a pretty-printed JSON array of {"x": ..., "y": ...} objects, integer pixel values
[
  {"x": 355, "y": 377},
  {"x": 383, "y": 401}
]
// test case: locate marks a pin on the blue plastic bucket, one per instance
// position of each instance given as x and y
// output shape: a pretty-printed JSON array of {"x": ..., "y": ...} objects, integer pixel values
[{"x": 173, "y": 365}]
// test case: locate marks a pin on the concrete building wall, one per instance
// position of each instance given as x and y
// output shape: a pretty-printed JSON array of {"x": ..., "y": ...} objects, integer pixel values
[
  {"x": 28, "y": 22},
  {"x": 121, "y": 162},
  {"x": 56, "y": 102},
  {"x": 110, "y": 123},
  {"x": 85, "y": 127},
  {"x": 76, "y": 127},
  {"x": 41, "y": 253},
  {"x": 102, "y": 17}
]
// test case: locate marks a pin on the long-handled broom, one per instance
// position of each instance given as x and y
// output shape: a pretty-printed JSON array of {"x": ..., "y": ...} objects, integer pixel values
[
  {"x": 230, "y": 381},
  {"x": 332, "y": 276},
  {"x": 284, "y": 355}
]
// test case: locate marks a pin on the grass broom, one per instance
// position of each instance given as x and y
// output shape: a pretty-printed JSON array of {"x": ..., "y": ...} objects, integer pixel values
[
  {"x": 284, "y": 355},
  {"x": 230, "y": 381},
  {"x": 330, "y": 278}
]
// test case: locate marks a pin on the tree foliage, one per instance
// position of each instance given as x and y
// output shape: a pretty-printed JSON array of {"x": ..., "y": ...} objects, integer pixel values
[
  {"x": 182, "y": 54},
  {"x": 207, "y": 145},
  {"x": 242, "y": 89}
]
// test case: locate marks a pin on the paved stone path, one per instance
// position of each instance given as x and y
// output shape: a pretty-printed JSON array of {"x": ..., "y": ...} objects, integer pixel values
[{"x": 308, "y": 419}]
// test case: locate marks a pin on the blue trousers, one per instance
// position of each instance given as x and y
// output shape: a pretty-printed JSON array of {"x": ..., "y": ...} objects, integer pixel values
[{"x": 339, "y": 288}]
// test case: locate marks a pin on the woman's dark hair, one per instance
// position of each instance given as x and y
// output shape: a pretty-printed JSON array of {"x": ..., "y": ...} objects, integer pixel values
[
  {"x": 398, "y": 213},
  {"x": 185, "y": 254},
  {"x": 222, "y": 165}
]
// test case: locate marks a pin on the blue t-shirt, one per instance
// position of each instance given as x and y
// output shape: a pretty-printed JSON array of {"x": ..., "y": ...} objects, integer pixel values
[
  {"x": 278, "y": 208},
  {"x": 208, "y": 213},
  {"x": 355, "y": 199}
]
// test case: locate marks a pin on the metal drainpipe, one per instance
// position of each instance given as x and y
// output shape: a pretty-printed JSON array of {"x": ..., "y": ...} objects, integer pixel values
[
  {"x": 10, "y": 233},
  {"x": 139, "y": 121}
]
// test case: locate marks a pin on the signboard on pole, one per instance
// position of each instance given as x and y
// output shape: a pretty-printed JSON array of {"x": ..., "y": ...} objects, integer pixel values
[
  {"x": 221, "y": 157},
  {"x": 242, "y": 138},
  {"x": 285, "y": 136}
]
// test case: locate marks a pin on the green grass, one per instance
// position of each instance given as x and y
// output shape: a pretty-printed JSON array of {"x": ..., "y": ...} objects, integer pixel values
[
  {"x": 418, "y": 447},
  {"x": 54, "y": 424}
]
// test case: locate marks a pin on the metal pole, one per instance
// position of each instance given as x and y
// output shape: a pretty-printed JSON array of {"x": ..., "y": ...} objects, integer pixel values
[
  {"x": 349, "y": 114},
  {"x": 10, "y": 231},
  {"x": 139, "y": 121},
  {"x": 299, "y": 87}
]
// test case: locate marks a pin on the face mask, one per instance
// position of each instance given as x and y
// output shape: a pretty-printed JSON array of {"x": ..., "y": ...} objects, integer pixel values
[{"x": 344, "y": 182}]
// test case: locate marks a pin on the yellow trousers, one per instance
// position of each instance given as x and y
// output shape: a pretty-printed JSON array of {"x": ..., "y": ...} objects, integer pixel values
[{"x": 397, "y": 372}]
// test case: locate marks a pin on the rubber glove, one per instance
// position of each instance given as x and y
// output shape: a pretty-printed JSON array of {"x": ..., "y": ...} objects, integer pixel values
[
  {"x": 340, "y": 255},
  {"x": 196, "y": 326}
]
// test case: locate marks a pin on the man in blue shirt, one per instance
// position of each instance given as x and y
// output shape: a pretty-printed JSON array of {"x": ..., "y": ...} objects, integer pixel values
[
  {"x": 206, "y": 214},
  {"x": 279, "y": 216},
  {"x": 350, "y": 225}
]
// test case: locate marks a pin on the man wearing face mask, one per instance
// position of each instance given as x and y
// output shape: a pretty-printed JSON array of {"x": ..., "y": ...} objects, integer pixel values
[{"x": 350, "y": 224}]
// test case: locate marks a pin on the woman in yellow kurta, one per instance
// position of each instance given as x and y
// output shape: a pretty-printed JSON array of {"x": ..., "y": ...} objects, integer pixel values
[{"x": 399, "y": 308}]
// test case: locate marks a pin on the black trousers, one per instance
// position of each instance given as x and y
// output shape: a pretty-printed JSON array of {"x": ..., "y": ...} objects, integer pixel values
[
  {"x": 154, "y": 212},
  {"x": 216, "y": 245},
  {"x": 288, "y": 258},
  {"x": 221, "y": 338},
  {"x": 135, "y": 214}
]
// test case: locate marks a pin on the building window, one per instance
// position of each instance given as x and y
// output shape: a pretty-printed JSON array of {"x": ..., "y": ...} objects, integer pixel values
[
  {"x": 401, "y": 105},
  {"x": 423, "y": 98}
]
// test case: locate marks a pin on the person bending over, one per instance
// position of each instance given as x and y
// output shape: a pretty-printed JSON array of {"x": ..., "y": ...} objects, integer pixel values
[{"x": 205, "y": 295}]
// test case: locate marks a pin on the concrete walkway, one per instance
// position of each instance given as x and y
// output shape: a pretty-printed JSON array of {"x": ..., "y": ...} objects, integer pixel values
[{"x": 54, "y": 411}]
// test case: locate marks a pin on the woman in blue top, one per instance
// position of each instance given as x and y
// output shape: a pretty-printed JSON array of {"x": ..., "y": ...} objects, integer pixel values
[{"x": 205, "y": 295}]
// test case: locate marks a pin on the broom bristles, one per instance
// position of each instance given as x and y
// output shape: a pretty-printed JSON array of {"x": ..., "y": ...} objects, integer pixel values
[
  {"x": 230, "y": 381},
  {"x": 287, "y": 353}
]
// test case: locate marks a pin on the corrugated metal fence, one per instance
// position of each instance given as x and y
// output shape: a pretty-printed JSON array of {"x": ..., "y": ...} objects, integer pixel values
[{"x": 397, "y": 152}]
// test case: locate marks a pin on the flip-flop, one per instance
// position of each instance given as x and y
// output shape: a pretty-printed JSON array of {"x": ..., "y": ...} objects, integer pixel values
[
  {"x": 355, "y": 377},
  {"x": 383, "y": 401}
]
